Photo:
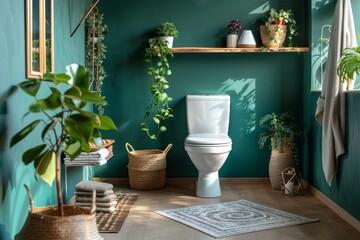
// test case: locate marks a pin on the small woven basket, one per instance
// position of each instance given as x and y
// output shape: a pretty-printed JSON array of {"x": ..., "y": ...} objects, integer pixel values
[{"x": 147, "y": 168}]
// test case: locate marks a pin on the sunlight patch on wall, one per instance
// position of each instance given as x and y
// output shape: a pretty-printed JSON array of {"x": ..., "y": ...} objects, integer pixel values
[
  {"x": 243, "y": 100},
  {"x": 261, "y": 10}
]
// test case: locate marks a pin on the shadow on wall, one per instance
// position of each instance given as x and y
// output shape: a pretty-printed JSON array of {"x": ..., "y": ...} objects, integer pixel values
[{"x": 242, "y": 94}]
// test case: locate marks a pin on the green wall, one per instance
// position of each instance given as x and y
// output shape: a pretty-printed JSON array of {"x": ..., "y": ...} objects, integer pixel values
[
  {"x": 344, "y": 190},
  {"x": 258, "y": 83},
  {"x": 14, "y": 203}
]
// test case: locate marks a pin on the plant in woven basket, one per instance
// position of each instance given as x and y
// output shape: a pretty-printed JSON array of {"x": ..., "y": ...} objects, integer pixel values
[
  {"x": 159, "y": 70},
  {"x": 66, "y": 125},
  {"x": 279, "y": 130}
]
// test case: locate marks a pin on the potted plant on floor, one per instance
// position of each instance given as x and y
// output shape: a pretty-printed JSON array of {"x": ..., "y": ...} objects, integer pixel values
[
  {"x": 167, "y": 32},
  {"x": 68, "y": 127},
  {"x": 234, "y": 28},
  {"x": 280, "y": 132},
  {"x": 277, "y": 25},
  {"x": 349, "y": 65}
]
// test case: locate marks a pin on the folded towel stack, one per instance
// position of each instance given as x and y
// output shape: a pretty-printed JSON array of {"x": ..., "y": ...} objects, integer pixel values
[
  {"x": 96, "y": 158},
  {"x": 105, "y": 197}
]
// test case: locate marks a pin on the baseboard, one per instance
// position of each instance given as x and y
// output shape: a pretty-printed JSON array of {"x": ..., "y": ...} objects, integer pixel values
[{"x": 336, "y": 208}]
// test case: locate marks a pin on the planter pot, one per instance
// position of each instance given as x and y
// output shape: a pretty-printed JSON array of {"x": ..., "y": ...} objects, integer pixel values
[
  {"x": 44, "y": 223},
  {"x": 278, "y": 162},
  {"x": 247, "y": 40},
  {"x": 169, "y": 41},
  {"x": 232, "y": 40},
  {"x": 275, "y": 37}
]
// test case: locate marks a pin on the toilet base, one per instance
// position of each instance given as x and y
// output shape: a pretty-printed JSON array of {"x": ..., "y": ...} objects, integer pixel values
[{"x": 208, "y": 185}]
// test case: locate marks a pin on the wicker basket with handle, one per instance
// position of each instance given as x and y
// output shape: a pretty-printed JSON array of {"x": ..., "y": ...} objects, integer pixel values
[
  {"x": 147, "y": 168},
  {"x": 43, "y": 223}
]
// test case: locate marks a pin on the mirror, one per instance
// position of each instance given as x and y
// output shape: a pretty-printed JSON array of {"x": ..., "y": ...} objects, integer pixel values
[{"x": 39, "y": 38}]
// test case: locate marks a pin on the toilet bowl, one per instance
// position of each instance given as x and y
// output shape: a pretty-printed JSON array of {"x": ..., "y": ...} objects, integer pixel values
[{"x": 208, "y": 144}]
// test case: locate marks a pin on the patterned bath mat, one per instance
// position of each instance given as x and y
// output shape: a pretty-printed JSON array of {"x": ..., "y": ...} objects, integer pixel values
[
  {"x": 112, "y": 222},
  {"x": 232, "y": 218}
]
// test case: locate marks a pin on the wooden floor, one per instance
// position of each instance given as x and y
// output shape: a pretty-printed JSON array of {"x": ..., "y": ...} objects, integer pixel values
[{"x": 143, "y": 224}]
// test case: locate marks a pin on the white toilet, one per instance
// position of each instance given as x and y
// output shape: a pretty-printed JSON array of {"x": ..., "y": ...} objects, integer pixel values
[{"x": 208, "y": 144}]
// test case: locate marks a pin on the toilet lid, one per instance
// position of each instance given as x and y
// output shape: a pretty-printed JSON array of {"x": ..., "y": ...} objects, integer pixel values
[{"x": 208, "y": 139}]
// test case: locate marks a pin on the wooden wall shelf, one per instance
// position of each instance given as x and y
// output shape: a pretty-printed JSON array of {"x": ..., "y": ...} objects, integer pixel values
[{"x": 236, "y": 50}]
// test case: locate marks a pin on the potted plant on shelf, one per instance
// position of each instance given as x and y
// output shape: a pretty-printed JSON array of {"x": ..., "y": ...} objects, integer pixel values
[
  {"x": 167, "y": 32},
  {"x": 280, "y": 132},
  {"x": 349, "y": 65},
  {"x": 233, "y": 29},
  {"x": 66, "y": 127},
  {"x": 277, "y": 25}
]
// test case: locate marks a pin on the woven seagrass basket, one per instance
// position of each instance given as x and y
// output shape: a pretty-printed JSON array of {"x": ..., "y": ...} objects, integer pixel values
[
  {"x": 44, "y": 223},
  {"x": 147, "y": 168}
]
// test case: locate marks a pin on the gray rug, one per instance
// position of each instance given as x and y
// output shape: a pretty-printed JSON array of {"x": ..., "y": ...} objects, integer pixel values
[{"x": 232, "y": 218}]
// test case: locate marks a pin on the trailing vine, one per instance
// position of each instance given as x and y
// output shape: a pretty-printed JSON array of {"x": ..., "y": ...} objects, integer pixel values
[
  {"x": 95, "y": 53},
  {"x": 159, "y": 69}
]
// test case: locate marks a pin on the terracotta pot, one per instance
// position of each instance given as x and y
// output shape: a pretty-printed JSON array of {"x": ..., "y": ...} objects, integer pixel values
[
  {"x": 278, "y": 162},
  {"x": 276, "y": 36}
]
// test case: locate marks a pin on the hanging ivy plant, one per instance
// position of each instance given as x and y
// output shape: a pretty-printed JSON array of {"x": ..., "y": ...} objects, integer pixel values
[{"x": 95, "y": 53}]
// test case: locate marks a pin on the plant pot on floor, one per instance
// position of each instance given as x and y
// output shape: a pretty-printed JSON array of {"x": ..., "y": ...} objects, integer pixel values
[
  {"x": 43, "y": 223},
  {"x": 273, "y": 36},
  {"x": 278, "y": 162}
]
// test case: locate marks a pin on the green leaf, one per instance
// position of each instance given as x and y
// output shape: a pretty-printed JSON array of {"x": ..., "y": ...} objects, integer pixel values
[
  {"x": 156, "y": 120},
  {"x": 84, "y": 95},
  {"x": 57, "y": 78},
  {"x": 79, "y": 127},
  {"x": 31, "y": 87},
  {"x": 48, "y": 128},
  {"x": 79, "y": 74},
  {"x": 33, "y": 153},
  {"x": 162, "y": 129},
  {"x": 106, "y": 123},
  {"x": 46, "y": 167},
  {"x": 23, "y": 133},
  {"x": 73, "y": 150}
]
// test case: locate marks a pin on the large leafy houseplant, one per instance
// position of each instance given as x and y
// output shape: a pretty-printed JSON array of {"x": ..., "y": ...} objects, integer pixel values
[
  {"x": 167, "y": 29},
  {"x": 159, "y": 69},
  {"x": 66, "y": 125},
  {"x": 279, "y": 130}
]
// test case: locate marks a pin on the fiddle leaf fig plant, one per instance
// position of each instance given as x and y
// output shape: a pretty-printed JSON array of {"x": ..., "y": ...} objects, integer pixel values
[
  {"x": 66, "y": 125},
  {"x": 159, "y": 69}
]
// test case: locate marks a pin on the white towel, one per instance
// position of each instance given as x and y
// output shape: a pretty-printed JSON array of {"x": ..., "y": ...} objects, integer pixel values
[
  {"x": 85, "y": 162},
  {"x": 330, "y": 111},
  {"x": 102, "y": 153}
]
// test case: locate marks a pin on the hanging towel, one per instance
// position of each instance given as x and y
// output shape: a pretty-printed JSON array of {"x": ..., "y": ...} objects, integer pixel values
[{"x": 330, "y": 111}]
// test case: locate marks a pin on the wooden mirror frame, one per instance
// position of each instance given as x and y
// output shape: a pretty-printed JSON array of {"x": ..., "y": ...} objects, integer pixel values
[{"x": 42, "y": 50}]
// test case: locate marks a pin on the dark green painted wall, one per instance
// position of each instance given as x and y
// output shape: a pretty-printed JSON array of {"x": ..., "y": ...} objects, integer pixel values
[
  {"x": 14, "y": 203},
  {"x": 344, "y": 191},
  {"x": 257, "y": 83}
]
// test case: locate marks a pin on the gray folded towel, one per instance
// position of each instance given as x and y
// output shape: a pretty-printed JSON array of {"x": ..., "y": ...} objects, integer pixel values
[
  {"x": 105, "y": 199},
  {"x": 107, "y": 210},
  {"x": 98, "y": 204},
  {"x": 88, "y": 186},
  {"x": 98, "y": 194}
]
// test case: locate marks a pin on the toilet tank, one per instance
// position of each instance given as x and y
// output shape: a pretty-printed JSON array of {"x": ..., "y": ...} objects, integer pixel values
[{"x": 208, "y": 114}]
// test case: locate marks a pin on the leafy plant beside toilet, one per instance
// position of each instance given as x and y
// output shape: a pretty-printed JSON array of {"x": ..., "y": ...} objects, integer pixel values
[{"x": 159, "y": 70}]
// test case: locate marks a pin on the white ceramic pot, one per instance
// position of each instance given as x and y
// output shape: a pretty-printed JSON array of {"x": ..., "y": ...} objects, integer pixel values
[
  {"x": 232, "y": 40},
  {"x": 168, "y": 40},
  {"x": 247, "y": 40}
]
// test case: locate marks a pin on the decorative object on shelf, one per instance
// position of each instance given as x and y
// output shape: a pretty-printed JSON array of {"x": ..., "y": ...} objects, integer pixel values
[
  {"x": 349, "y": 65},
  {"x": 147, "y": 168},
  {"x": 234, "y": 28},
  {"x": 167, "y": 32},
  {"x": 95, "y": 53},
  {"x": 281, "y": 131},
  {"x": 237, "y": 50},
  {"x": 291, "y": 181},
  {"x": 159, "y": 69},
  {"x": 67, "y": 127},
  {"x": 277, "y": 25},
  {"x": 247, "y": 40}
]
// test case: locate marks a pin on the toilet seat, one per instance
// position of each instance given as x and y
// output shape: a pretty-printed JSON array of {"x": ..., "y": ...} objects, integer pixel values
[{"x": 208, "y": 139}]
